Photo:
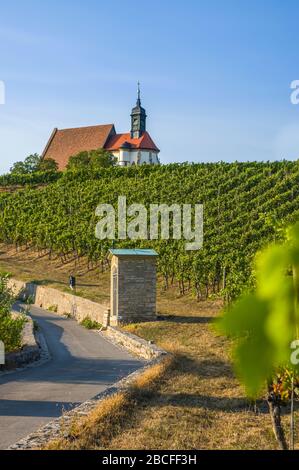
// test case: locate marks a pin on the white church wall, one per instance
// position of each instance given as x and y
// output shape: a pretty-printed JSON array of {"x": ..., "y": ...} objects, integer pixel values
[
  {"x": 146, "y": 156},
  {"x": 137, "y": 157},
  {"x": 124, "y": 157}
]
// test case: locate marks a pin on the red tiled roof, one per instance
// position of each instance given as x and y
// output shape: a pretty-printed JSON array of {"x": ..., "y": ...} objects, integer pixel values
[
  {"x": 116, "y": 141},
  {"x": 67, "y": 142}
]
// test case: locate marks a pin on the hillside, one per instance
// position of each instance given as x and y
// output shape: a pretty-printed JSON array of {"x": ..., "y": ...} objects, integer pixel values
[
  {"x": 245, "y": 206},
  {"x": 48, "y": 233}
]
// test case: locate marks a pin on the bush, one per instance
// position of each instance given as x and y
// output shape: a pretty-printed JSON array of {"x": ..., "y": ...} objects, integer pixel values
[
  {"x": 10, "y": 328},
  {"x": 91, "y": 160},
  {"x": 53, "y": 308},
  {"x": 11, "y": 332},
  {"x": 90, "y": 324},
  {"x": 32, "y": 164}
]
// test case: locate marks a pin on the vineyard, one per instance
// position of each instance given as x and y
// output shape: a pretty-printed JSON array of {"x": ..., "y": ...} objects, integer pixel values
[
  {"x": 246, "y": 205},
  {"x": 30, "y": 179}
]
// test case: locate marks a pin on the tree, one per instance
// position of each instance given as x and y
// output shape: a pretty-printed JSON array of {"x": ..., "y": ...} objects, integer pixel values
[
  {"x": 79, "y": 161},
  {"x": 30, "y": 165},
  {"x": 18, "y": 168},
  {"x": 32, "y": 162},
  {"x": 93, "y": 160},
  {"x": 101, "y": 158},
  {"x": 47, "y": 164}
]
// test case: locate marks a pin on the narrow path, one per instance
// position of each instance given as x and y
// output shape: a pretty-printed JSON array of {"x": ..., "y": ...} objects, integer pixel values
[{"x": 82, "y": 365}]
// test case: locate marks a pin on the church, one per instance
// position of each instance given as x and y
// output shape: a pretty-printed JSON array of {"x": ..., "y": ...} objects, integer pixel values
[{"x": 131, "y": 148}]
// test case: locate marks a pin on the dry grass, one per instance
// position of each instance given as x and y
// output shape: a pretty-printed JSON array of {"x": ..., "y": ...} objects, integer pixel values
[
  {"x": 111, "y": 416},
  {"x": 28, "y": 266},
  {"x": 198, "y": 404}
]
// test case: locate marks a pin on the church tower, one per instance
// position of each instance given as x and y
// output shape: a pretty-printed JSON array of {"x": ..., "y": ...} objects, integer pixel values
[{"x": 138, "y": 118}]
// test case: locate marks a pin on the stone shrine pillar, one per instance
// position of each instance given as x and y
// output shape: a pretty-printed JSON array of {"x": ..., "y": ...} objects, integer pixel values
[{"x": 133, "y": 286}]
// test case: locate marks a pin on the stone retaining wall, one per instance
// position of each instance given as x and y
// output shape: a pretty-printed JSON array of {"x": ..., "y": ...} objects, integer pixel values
[
  {"x": 133, "y": 343},
  {"x": 60, "y": 302}
]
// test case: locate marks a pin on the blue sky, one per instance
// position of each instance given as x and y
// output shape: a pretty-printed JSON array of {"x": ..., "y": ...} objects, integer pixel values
[{"x": 215, "y": 75}]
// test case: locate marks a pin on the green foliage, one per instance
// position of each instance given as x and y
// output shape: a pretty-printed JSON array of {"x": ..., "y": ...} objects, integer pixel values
[
  {"x": 30, "y": 300},
  {"x": 101, "y": 159},
  {"x": 10, "y": 328},
  {"x": 11, "y": 332},
  {"x": 34, "y": 169},
  {"x": 18, "y": 168},
  {"x": 81, "y": 160},
  {"x": 282, "y": 385},
  {"x": 6, "y": 295},
  {"x": 90, "y": 324},
  {"x": 24, "y": 179},
  {"x": 67, "y": 314},
  {"x": 35, "y": 325},
  {"x": 91, "y": 160},
  {"x": 30, "y": 165},
  {"x": 47, "y": 164},
  {"x": 53, "y": 308},
  {"x": 266, "y": 322}
]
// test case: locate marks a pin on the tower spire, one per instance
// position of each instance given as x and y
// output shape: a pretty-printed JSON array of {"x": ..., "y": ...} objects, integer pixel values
[{"x": 138, "y": 102}]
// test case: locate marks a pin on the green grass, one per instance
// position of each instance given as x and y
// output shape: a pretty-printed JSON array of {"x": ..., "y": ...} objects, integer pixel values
[
  {"x": 53, "y": 308},
  {"x": 90, "y": 324}
]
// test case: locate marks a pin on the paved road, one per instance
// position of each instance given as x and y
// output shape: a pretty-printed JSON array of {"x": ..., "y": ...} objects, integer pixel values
[{"x": 82, "y": 364}]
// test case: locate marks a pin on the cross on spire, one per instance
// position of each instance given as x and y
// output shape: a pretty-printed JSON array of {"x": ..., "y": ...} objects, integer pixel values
[{"x": 138, "y": 94}]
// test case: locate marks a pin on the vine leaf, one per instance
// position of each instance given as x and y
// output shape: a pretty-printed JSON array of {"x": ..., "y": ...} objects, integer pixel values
[{"x": 264, "y": 322}]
